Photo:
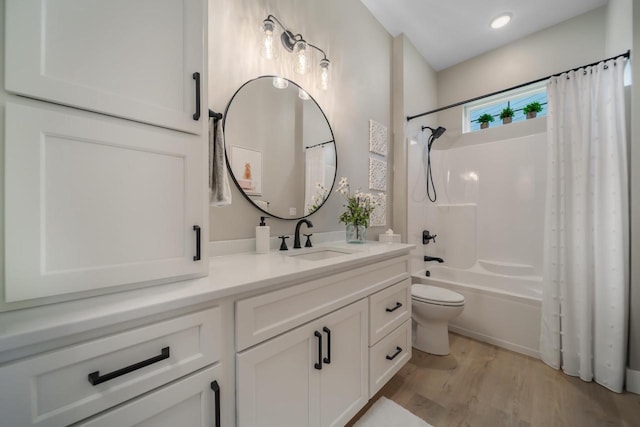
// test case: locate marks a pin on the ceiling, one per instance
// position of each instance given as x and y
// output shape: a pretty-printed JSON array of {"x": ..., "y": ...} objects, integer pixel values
[{"x": 447, "y": 32}]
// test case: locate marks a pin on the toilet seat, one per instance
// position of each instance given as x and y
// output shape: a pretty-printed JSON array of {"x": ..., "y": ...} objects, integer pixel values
[{"x": 434, "y": 295}]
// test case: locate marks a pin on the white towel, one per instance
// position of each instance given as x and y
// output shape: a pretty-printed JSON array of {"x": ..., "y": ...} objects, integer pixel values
[{"x": 219, "y": 190}]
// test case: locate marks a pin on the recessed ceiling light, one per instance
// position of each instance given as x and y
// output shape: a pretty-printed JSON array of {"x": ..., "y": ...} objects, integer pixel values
[{"x": 501, "y": 21}]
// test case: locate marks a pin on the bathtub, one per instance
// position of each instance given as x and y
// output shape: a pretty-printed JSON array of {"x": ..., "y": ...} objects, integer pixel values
[{"x": 500, "y": 309}]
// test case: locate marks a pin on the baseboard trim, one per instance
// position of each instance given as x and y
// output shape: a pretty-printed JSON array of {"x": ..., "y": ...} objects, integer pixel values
[
  {"x": 496, "y": 341},
  {"x": 633, "y": 381}
]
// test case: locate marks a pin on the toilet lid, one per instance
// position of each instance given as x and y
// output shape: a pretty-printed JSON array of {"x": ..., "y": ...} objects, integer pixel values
[{"x": 435, "y": 294}]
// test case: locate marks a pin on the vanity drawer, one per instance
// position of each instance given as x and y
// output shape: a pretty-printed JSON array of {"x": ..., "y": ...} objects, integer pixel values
[
  {"x": 265, "y": 316},
  {"x": 54, "y": 388},
  {"x": 388, "y": 309},
  {"x": 188, "y": 402},
  {"x": 388, "y": 356}
]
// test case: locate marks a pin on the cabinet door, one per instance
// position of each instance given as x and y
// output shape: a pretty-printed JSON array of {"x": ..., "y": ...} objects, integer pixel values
[
  {"x": 344, "y": 380},
  {"x": 93, "y": 202},
  {"x": 292, "y": 380},
  {"x": 193, "y": 401},
  {"x": 130, "y": 59},
  {"x": 277, "y": 382}
]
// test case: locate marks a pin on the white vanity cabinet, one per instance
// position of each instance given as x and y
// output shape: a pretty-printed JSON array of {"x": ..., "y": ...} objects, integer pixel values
[
  {"x": 99, "y": 203},
  {"x": 390, "y": 333},
  {"x": 129, "y": 59},
  {"x": 72, "y": 383},
  {"x": 190, "y": 402},
  {"x": 94, "y": 202},
  {"x": 284, "y": 339},
  {"x": 314, "y": 375}
]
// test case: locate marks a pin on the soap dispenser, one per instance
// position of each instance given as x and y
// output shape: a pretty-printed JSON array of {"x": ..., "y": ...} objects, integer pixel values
[{"x": 262, "y": 236}]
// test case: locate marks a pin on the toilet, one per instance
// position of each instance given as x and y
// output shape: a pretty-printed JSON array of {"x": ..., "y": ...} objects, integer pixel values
[{"x": 433, "y": 307}]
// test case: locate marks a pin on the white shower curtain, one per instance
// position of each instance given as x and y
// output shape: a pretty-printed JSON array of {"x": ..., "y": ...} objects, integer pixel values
[
  {"x": 315, "y": 173},
  {"x": 586, "y": 279}
]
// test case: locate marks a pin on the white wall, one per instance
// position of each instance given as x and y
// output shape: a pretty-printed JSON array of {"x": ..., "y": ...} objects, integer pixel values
[{"x": 360, "y": 52}]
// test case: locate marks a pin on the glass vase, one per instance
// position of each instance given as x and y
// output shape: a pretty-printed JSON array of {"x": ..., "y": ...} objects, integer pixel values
[{"x": 356, "y": 233}]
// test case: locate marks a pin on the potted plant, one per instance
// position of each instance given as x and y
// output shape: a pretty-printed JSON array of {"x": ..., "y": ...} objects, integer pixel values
[
  {"x": 506, "y": 115},
  {"x": 484, "y": 120},
  {"x": 531, "y": 110}
]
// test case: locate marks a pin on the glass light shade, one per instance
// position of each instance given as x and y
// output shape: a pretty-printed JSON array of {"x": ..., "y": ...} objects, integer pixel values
[
  {"x": 302, "y": 94},
  {"x": 302, "y": 57},
  {"x": 280, "y": 83},
  {"x": 325, "y": 75},
  {"x": 269, "y": 40}
]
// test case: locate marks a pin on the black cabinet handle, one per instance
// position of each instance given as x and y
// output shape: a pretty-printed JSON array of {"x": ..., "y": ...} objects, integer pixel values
[
  {"x": 318, "y": 365},
  {"x": 196, "y": 77},
  {"x": 196, "y": 228},
  {"x": 391, "y": 310},
  {"x": 216, "y": 396},
  {"x": 327, "y": 359},
  {"x": 95, "y": 378},
  {"x": 393, "y": 356}
]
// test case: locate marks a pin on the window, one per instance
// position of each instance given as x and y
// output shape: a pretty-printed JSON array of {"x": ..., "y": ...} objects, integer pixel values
[{"x": 517, "y": 99}]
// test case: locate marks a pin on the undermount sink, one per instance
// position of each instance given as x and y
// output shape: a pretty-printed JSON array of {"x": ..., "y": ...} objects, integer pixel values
[{"x": 319, "y": 254}]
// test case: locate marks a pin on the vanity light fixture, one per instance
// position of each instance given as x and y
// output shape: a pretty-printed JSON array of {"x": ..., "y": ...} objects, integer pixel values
[
  {"x": 501, "y": 21},
  {"x": 296, "y": 44}
]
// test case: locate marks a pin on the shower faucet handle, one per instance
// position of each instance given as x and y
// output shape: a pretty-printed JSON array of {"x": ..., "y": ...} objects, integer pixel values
[{"x": 426, "y": 237}]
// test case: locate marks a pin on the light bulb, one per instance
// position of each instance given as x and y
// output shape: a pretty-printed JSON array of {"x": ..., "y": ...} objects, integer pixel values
[
  {"x": 280, "y": 83},
  {"x": 302, "y": 94},
  {"x": 268, "y": 49},
  {"x": 303, "y": 61},
  {"x": 325, "y": 76}
]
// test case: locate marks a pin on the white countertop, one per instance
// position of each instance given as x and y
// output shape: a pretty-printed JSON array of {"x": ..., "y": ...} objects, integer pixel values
[{"x": 229, "y": 276}]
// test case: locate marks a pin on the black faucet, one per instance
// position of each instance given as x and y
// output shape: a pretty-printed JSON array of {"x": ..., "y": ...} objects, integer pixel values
[
  {"x": 296, "y": 239},
  {"x": 432, "y": 258}
]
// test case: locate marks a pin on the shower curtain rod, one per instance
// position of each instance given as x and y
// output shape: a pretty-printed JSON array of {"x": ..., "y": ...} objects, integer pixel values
[
  {"x": 409, "y": 118},
  {"x": 318, "y": 145}
]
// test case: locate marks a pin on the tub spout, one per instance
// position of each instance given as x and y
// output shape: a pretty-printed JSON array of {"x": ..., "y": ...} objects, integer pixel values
[{"x": 432, "y": 258}]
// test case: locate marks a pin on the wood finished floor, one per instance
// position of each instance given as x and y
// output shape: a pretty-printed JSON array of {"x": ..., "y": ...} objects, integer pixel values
[{"x": 481, "y": 385}]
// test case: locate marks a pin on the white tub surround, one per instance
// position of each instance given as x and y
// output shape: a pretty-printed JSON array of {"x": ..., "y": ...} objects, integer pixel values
[
  {"x": 499, "y": 309},
  {"x": 59, "y": 345}
]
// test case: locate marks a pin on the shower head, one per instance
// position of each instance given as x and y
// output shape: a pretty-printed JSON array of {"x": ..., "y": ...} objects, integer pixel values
[{"x": 435, "y": 133}]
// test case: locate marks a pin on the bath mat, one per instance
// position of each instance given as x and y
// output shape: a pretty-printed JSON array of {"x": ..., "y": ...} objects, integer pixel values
[{"x": 386, "y": 413}]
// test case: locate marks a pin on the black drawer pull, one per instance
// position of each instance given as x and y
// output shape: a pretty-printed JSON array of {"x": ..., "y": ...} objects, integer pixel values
[
  {"x": 196, "y": 228},
  {"x": 216, "y": 392},
  {"x": 327, "y": 359},
  {"x": 95, "y": 378},
  {"x": 393, "y": 356},
  {"x": 196, "y": 77},
  {"x": 391, "y": 310},
  {"x": 318, "y": 365}
]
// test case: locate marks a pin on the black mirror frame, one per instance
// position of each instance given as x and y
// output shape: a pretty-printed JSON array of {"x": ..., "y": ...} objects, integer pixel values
[{"x": 226, "y": 155}]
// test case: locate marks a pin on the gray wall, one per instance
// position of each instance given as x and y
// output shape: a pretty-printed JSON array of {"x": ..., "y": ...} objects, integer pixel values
[
  {"x": 360, "y": 52},
  {"x": 415, "y": 90},
  {"x": 572, "y": 43}
]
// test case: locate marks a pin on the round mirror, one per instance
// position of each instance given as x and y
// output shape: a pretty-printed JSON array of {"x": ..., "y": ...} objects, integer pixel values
[{"x": 280, "y": 147}]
